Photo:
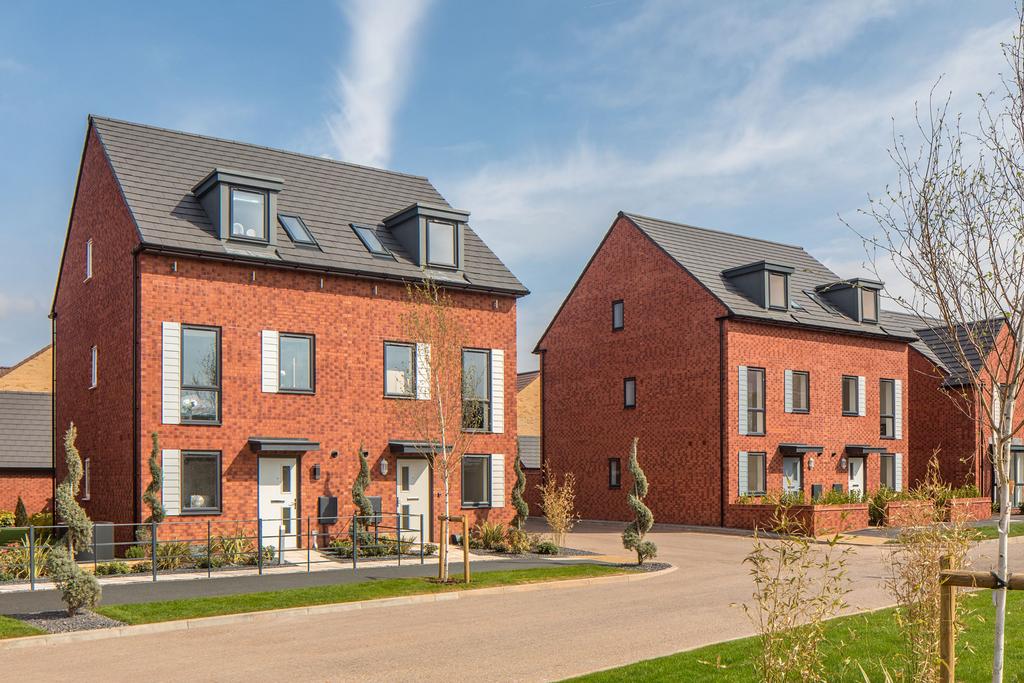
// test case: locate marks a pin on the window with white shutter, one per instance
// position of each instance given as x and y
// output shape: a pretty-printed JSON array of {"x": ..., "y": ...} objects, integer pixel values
[
  {"x": 741, "y": 399},
  {"x": 423, "y": 371},
  {"x": 498, "y": 391},
  {"x": 171, "y": 493},
  {"x": 171, "y": 373},
  {"x": 497, "y": 480},
  {"x": 270, "y": 352}
]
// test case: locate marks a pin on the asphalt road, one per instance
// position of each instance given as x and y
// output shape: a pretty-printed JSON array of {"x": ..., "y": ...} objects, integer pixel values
[{"x": 528, "y": 636}]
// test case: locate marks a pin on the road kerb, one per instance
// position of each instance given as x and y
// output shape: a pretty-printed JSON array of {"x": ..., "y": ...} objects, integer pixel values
[{"x": 296, "y": 612}]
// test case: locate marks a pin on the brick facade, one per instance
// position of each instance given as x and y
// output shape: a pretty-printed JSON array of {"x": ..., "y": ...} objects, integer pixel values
[
  {"x": 35, "y": 488},
  {"x": 121, "y": 310},
  {"x": 678, "y": 344},
  {"x": 98, "y": 312}
]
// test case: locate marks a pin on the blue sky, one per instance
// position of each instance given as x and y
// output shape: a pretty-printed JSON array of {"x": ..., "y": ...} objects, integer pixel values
[{"x": 543, "y": 119}]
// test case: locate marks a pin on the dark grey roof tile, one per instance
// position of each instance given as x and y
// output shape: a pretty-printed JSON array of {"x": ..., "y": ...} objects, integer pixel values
[{"x": 25, "y": 430}]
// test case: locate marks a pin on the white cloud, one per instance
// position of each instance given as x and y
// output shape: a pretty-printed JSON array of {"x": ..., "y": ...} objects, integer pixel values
[
  {"x": 369, "y": 89},
  {"x": 770, "y": 139},
  {"x": 11, "y": 65},
  {"x": 13, "y": 305}
]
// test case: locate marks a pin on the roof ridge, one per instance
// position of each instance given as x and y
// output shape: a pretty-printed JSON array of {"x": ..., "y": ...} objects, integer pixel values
[
  {"x": 630, "y": 214},
  {"x": 26, "y": 359},
  {"x": 96, "y": 117}
]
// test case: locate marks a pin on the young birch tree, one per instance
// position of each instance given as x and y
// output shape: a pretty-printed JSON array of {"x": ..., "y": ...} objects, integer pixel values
[
  {"x": 953, "y": 227},
  {"x": 440, "y": 414}
]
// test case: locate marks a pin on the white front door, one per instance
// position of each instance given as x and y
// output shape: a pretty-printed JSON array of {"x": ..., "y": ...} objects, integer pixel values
[
  {"x": 414, "y": 497},
  {"x": 278, "y": 498},
  {"x": 856, "y": 466},
  {"x": 792, "y": 472}
]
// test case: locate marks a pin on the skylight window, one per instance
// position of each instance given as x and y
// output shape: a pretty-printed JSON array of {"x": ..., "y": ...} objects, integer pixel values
[
  {"x": 369, "y": 238},
  {"x": 296, "y": 229}
]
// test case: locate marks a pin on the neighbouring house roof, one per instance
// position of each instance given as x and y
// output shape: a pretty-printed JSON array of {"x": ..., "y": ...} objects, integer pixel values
[
  {"x": 158, "y": 169},
  {"x": 26, "y": 440},
  {"x": 523, "y": 379},
  {"x": 33, "y": 374},
  {"x": 935, "y": 343},
  {"x": 707, "y": 254}
]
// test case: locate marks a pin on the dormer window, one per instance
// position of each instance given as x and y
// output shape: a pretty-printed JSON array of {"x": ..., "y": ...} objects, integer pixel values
[
  {"x": 441, "y": 245},
  {"x": 248, "y": 214},
  {"x": 778, "y": 291},
  {"x": 869, "y": 305}
]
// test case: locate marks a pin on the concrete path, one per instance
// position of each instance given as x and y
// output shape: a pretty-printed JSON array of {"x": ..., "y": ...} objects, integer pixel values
[{"x": 529, "y": 636}]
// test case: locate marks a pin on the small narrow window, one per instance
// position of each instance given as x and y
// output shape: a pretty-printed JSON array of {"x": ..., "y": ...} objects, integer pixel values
[
  {"x": 888, "y": 471},
  {"x": 614, "y": 473},
  {"x": 399, "y": 375},
  {"x": 88, "y": 260},
  {"x": 629, "y": 392},
  {"x": 86, "y": 480},
  {"x": 887, "y": 408},
  {"x": 850, "y": 396},
  {"x": 93, "y": 367},
  {"x": 801, "y": 392},
  {"x": 406, "y": 478},
  {"x": 869, "y": 305},
  {"x": 476, "y": 390},
  {"x": 286, "y": 478},
  {"x": 368, "y": 236},
  {"x": 756, "y": 474},
  {"x": 296, "y": 229},
  {"x": 296, "y": 363},
  {"x": 777, "y": 291},
  {"x": 618, "y": 315},
  {"x": 441, "y": 249},
  {"x": 476, "y": 481},
  {"x": 755, "y": 401},
  {"x": 248, "y": 214}
]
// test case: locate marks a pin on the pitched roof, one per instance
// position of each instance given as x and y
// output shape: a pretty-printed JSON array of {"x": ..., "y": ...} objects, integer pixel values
[
  {"x": 523, "y": 379},
  {"x": 25, "y": 430},
  {"x": 157, "y": 169},
  {"x": 976, "y": 338},
  {"x": 33, "y": 374},
  {"x": 705, "y": 254}
]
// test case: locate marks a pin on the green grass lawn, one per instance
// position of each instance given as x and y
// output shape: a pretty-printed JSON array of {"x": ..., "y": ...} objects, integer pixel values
[
  {"x": 865, "y": 639},
  {"x": 9, "y": 535},
  {"x": 12, "y": 628},
  {"x": 987, "y": 532},
  {"x": 169, "y": 610}
]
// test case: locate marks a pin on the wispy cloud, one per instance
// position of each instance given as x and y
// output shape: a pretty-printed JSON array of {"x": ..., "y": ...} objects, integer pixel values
[
  {"x": 369, "y": 88},
  {"x": 11, "y": 65},
  {"x": 770, "y": 138},
  {"x": 13, "y": 305}
]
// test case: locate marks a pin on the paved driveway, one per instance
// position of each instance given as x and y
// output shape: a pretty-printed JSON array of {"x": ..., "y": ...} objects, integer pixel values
[{"x": 540, "y": 635}]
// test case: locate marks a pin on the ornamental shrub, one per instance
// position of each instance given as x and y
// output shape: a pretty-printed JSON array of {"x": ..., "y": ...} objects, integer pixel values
[
  {"x": 633, "y": 536},
  {"x": 7, "y": 519},
  {"x": 77, "y": 588},
  {"x": 363, "y": 504},
  {"x": 546, "y": 548},
  {"x": 518, "y": 502},
  {"x": 156, "y": 483},
  {"x": 20, "y": 513}
]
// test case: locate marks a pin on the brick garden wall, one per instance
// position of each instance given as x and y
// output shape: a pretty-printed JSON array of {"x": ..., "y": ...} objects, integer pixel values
[
  {"x": 675, "y": 360},
  {"x": 350, "y": 324},
  {"x": 97, "y": 312}
]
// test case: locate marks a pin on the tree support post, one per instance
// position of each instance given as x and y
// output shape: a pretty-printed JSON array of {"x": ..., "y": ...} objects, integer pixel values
[{"x": 947, "y": 626}]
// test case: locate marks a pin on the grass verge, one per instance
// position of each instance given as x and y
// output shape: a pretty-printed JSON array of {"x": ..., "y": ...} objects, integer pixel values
[
  {"x": 12, "y": 628},
  {"x": 989, "y": 532},
  {"x": 868, "y": 640},
  {"x": 191, "y": 608}
]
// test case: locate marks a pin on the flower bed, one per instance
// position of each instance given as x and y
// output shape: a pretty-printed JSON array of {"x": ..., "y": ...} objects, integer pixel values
[
  {"x": 815, "y": 520},
  {"x": 968, "y": 509},
  {"x": 909, "y": 513}
]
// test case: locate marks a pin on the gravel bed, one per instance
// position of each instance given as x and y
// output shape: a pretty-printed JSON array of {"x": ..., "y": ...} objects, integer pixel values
[
  {"x": 60, "y": 622},
  {"x": 647, "y": 566}
]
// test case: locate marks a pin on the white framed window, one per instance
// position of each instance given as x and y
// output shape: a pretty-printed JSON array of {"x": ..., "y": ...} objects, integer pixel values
[
  {"x": 86, "y": 480},
  {"x": 93, "y": 367},
  {"x": 88, "y": 260}
]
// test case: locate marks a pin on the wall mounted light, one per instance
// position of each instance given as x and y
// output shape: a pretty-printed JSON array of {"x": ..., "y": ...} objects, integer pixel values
[
  {"x": 383, "y": 467},
  {"x": 254, "y": 276},
  {"x": 842, "y": 464},
  {"x": 316, "y": 472},
  {"x": 321, "y": 282},
  {"x": 810, "y": 463},
  {"x": 174, "y": 266}
]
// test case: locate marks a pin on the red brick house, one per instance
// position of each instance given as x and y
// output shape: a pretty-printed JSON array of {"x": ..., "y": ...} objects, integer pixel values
[
  {"x": 744, "y": 366},
  {"x": 947, "y": 420},
  {"x": 247, "y": 305},
  {"x": 26, "y": 441}
]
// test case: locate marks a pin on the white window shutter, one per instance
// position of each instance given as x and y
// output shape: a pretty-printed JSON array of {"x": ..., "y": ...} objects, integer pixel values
[
  {"x": 862, "y": 408},
  {"x": 171, "y": 493},
  {"x": 897, "y": 405},
  {"x": 171, "y": 374},
  {"x": 898, "y": 464},
  {"x": 497, "y": 480},
  {"x": 498, "y": 391},
  {"x": 741, "y": 391},
  {"x": 423, "y": 372},
  {"x": 743, "y": 473},
  {"x": 271, "y": 353},
  {"x": 789, "y": 390}
]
